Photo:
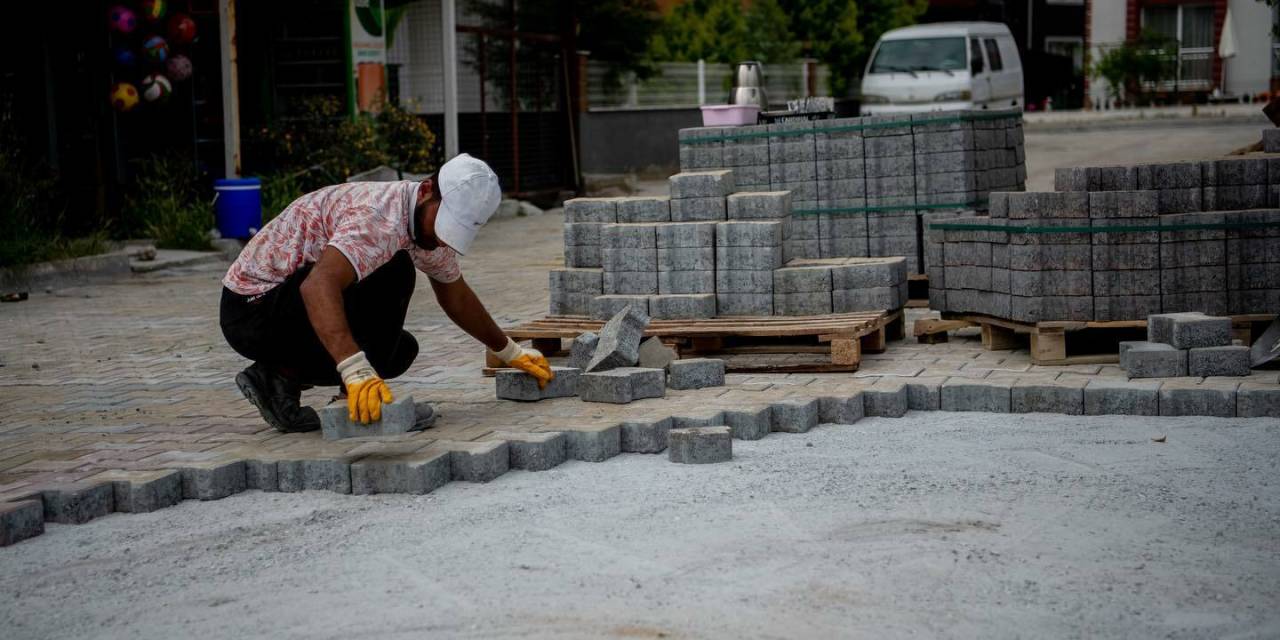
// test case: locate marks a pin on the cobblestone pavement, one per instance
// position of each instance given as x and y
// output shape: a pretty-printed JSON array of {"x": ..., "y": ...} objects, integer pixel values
[{"x": 135, "y": 375}]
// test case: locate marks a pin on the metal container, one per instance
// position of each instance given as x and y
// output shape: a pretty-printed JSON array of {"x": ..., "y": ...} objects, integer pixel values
[{"x": 748, "y": 85}]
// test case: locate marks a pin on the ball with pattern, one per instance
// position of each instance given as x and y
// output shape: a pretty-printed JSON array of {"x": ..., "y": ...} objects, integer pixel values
[
  {"x": 157, "y": 49},
  {"x": 178, "y": 68},
  {"x": 182, "y": 29},
  {"x": 156, "y": 88},
  {"x": 153, "y": 10},
  {"x": 122, "y": 19},
  {"x": 124, "y": 96}
]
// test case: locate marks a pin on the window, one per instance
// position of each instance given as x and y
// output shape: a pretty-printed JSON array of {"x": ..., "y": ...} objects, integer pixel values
[
  {"x": 975, "y": 56},
  {"x": 920, "y": 54},
  {"x": 993, "y": 54},
  {"x": 1191, "y": 26},
  {"x": 1068, "y": 47}
]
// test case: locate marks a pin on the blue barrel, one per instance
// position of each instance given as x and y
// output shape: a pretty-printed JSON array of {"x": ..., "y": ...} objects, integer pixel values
[{"x": 238, "y": 206}]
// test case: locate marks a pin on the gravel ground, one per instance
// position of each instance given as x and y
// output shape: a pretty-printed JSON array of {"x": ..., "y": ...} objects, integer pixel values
[{"x": 950, "y": 525}]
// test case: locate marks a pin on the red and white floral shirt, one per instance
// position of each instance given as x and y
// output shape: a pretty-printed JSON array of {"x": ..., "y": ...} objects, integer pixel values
[{"x": 369, "y": 222}]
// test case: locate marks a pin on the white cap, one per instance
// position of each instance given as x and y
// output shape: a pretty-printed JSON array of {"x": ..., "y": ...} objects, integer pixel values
[{"x": 469, "y": 194}]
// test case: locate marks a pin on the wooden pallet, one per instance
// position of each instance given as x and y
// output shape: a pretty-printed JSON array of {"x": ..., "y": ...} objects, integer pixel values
[
  {"x": 842, "y": 338},
  {"x": 1061, "y": 342}
]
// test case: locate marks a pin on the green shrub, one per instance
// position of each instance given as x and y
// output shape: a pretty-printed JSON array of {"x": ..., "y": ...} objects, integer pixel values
[{"x": 166, "y": 203}]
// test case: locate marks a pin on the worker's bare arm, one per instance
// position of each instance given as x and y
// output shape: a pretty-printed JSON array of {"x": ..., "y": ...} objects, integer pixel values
[
  {"x": 462, "y": 306},
  {"x": 322, "y": 295}
]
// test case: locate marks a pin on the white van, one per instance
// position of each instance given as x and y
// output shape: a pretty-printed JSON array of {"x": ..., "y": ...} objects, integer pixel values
[{"x": 942, "y": 67}]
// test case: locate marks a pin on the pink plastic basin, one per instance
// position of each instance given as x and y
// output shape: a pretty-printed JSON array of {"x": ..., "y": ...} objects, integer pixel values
[{"x": 729, "y": 115}]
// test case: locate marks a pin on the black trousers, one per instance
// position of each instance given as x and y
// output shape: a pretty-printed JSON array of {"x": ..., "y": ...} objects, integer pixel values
[{"x": 274, "y": 330}]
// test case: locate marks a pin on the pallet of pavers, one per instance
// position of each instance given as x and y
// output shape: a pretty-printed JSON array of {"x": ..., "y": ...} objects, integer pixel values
[{"x": 1110, "y": 247}]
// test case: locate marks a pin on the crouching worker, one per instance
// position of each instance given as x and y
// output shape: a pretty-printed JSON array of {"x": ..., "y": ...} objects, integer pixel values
[{"x": 319, "y": 296}]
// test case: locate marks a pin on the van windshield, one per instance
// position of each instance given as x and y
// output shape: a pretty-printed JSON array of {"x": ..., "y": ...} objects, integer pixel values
[{"x": 920, "y": 54}]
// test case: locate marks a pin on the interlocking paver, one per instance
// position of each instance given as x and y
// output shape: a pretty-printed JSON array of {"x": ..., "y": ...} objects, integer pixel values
[{"x": 135, "y": 376}]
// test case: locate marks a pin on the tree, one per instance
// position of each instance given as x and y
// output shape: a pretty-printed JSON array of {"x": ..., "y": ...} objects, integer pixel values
[
  {"x": 1150, "y": 59},
  {"x": 721, "y": 31},
  {"x": 840, "y": 33}
]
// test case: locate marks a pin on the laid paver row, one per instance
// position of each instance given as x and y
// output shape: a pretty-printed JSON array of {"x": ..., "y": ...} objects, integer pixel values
[{"x": 418, "y": 466}]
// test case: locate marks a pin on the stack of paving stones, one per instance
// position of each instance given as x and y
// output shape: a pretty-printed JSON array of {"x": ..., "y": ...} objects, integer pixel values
[
  {"x": 1188, "y": 236},
  {"x": 747, "y": 253},
  {"x": 860, "y": 185},
  {"x": 839, "y": 285},
  {"x": 1185, "y": 344}
]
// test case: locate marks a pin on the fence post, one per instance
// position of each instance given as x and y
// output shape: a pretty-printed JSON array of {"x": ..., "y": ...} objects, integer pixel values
[{"x": 702, "y": 82}]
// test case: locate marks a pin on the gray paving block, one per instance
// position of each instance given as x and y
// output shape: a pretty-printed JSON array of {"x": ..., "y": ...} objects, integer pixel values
[
  {"x": 698, "y": 209},
  {"x": 622, "y": 385},
  {"x": 1124, "y": 204},
  {"x": 886, "y": 399},
  {"x": 973, "y": 395},
  {"x": 1106, "y": 396},
  {"x": 702, "y": 184},
  {"x": 685, "y": 259},
  {"x": 619, "y": 341},
  {"x": 700, "y": 445},
  {"x": 513, "y": 384},
  {"x": 686, "y": 282},
  {"x": 1271, "y": 140},
  {"x": 874, "y": 299},
  {"x": 591, "y": 210},
  {"x": 794, "y": 415},
  {"x": 479, "y": 461},
  {"x": 1049, "y": 397},
  {"x": 629, "y": 236},
  {"x": 213, "y": 481},
  {"x": 749, "y": 258},
  {"x": 593, "y": 446},
  {"x": 644, "y": 209},
  {"x": 695, "y": 373},
  {"x": 606, "y": 307},
  {"x": 654, "y": 354},
  {"x": 1160, "y": 325},
  {"x": 744, "y": 304},
  {"x": 644, "y": 436},
  {"x": 582, "y": 256},
  {"x": 707, "y": 418},
  {"x": 417, "y": 473},
  {"x": 261, "y": 475},
  {"x": 1191, "y": 332},
  {"x": 869, "y": 272},
  {"x": 749, "y": 424},
  {"x": 757, "y": 282},
  {"x": 20, "y": 520},
  {"x": 802, "y": 304},
  {"x": 617, "y": 260},
  {"x": 803, "y": 278},
  {"x": 924, "y": 394},
  {"x": 78, "y": 502},
  {"x": 536, "y": 451},
  {"x": 631, "y": 283},
  {"x": 749, "y": 234},
  {"x": 1218, "y": 361},
  {"x": 840, "y": 410},
  {"x": 588, "y": 281},
  {"x": 1257, "y": 400},
  {"x": 332, "y": 474},
  {"x": 686, "y": 235},
  {"x": 584, "y": 233},
  {"x": 582, "y": 348},
  {"x": 1051, "y": 204},
  {"x": 144, "y": 491},
  {"x": 683, "y": 306},
  {"x": 1193, "y": 400},
  {"x": 398, "y": 418},
  {"x": 758, "y": 205},
  {"x": 1154, "y": 360}
]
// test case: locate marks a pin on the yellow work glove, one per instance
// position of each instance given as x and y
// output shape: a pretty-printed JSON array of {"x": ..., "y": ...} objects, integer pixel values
[
  {"x": 366, "y": 392},
  {"x": 529, "y": 361}
]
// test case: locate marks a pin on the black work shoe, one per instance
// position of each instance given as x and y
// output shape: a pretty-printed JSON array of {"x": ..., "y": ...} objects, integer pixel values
[{"x": 277, "y": 399}]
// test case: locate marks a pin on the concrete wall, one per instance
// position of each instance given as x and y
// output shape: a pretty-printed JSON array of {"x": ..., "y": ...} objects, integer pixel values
[
  {"x": 1106, "y": 30},
  {"x": 1250, "y": 71},
  {"x": 618, "y": 141}
]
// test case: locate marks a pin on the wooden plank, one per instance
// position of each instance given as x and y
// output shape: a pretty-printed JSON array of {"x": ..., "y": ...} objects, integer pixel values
[
  {"x": 1048, "y": 345},
  {"x": 917, "y": 303},
  {"x": 926, "y": 326},
  {"x": 548, "y": 346},
  {"x": 817, "y": 367},
  {"x": 917, "y": 276},
  {"x": 874, "y": 342},
  {"x": 896, "y": 327},
  {"x": 999, "y": 338},
  {"x": 1101, "y": 358},
  {"x": 706, "y": 344},
  {"x": 846, "y": 351}
]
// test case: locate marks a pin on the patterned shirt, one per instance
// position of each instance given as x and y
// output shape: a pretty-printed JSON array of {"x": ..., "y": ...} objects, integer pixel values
[{"x": 369, "y": 222}]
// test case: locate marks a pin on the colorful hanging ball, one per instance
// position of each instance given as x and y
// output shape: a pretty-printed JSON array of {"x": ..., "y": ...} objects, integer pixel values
[
  {"x": 178, "y": 68},
  {"x": 152, "y": 10},
  {"x": 157, "y": 49},
  {"x": 182, "y": 29},
  {"x": 156, "y": 87},
  {"x": 124, "y": 96},
  {"x": 125, "y": 58},
  {"x": 122, "y": 19}
]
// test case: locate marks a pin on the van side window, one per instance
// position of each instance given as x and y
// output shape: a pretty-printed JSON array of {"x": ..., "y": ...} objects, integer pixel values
[
  {"x": 975, "y": 56},
  {"x": 993, "y": 54}
]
